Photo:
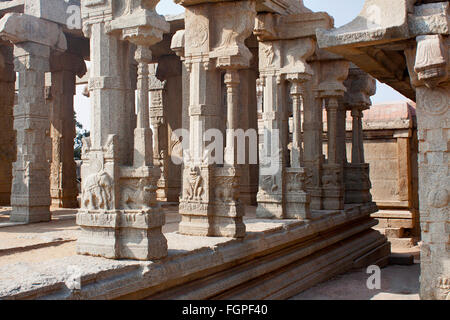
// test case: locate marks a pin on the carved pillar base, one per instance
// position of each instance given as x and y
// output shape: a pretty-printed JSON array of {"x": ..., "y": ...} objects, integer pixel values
[
  {"x": 134, "y": 229},
  {"x": 333, "y": 190},
  {"x": 122, "y": 235},
  {"x": 209, "y": 207},
  {"x": 313, "y": 172},
  {"x": 297, "y": 200},
  {"x": 357, "y": 183},
  {"x": 270, "y": 196}
]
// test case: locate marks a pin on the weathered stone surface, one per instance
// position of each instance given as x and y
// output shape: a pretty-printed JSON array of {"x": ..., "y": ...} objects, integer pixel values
[
  {"x": 428, "y": 66},
  {"x": 119, "y": 216},
  {"x": 18, "y": 27},
  {"x": 52, "y": 10},
  {"x": 63, "y": 179},
  {"x": 192, "y": 262},
  {"x": 8, "y": 137}
]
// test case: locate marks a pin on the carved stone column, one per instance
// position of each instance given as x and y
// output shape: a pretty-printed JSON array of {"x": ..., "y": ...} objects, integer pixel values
[
  {"x": 283, "y": 55},
  {"x": 63, "y": 183},
  {"x": 119, "y": 216},
  {"x": 33, "y": 39},
  {"x": 159, "y": 125},
  {"x": 8, "y": 136},
  {"x": 360, "y": 87},
  {"x": 210, "y": 204},
  {"x": 429, "y": 67},
  {"x": 332, "y": 90}
]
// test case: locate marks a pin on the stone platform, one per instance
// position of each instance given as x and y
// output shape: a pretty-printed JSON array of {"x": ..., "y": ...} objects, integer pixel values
[{"x": 276, "y": 260}]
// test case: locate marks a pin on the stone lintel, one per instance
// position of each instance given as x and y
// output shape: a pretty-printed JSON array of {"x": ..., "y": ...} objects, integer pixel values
[
  {"x": 18, "y": 27},
  {"x": 278, "y": 6}
]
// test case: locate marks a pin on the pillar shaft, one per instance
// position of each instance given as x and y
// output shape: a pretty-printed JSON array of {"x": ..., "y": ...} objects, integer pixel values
[
  {"x": 31, "y": 188},
  {"x": 332, "y": 110},
  {"x": 297, "y": 106},
  {"x": 63, "y": 183},
  {"x": 232, "y": 84},
  {"x": 357, "y": 137}
]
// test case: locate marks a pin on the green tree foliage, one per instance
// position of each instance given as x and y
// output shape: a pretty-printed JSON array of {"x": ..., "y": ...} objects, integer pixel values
[{"x": 78, "y": 142}]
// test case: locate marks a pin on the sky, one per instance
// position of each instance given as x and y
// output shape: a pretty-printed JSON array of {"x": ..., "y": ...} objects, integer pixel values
[{"x": 343, "y": 12}]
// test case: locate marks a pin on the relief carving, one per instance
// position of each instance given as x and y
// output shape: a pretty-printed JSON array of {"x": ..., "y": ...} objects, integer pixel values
[
  {"x": 431, "y": 60},
  {"x": 269, "y": 184},
  {"x": 226, "y": 189},
  {"x": 193, "y": 186},
  {"x": 330, "y": 179},
  {"x": 295, "y": 182},
  {"x": 97, "y": 191},
  {"x": 137, "y": 194}
]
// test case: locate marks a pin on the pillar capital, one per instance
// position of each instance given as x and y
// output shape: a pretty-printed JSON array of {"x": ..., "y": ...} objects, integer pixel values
[{"x": 428, "y": 61}]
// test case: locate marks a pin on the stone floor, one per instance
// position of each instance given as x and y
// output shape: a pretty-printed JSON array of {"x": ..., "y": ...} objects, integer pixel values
[
  {"x": 398, "y": 282},
  {"x": 56, "y": 239}
]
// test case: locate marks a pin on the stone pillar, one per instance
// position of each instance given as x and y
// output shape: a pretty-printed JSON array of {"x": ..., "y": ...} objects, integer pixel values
[
  {"x": 360, "y": 87},
  {"x": 273, "y": 146},
  {"x": 332, "y": 90},
  {"x": 357, "y": 136},
  {"x": 159, "y": 124},
  {"x": 283, "y": 53},
  {"x": 34, "y": 39},
  {"x": 143, "y": 136},
  {"x": 297, "y": 199},
  {"x": 119, "y": 216},
  {"x": 30, "y": 198},
  {"x": 429, "y": 68},
  {"x": 210, "y": 204},
  {"x": 313, "y": 138},
  {"x": 63, "y": 179},
  {"x": 8, "y": 136}
]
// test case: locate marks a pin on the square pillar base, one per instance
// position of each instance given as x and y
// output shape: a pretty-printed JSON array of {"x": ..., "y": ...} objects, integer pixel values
[{"x": 122, "y": 234}]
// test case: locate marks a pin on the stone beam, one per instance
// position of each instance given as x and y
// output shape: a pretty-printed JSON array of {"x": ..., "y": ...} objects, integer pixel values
[
  {"x": 376, "y": 39},
  {"x": 18, "y": 27},
  {"x": 274, "y": 6}
]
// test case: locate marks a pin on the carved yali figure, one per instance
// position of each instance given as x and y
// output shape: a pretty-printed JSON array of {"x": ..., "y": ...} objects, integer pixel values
[
  {"x": 97, "y": 191},
  {"x": 193, "y": 185}
]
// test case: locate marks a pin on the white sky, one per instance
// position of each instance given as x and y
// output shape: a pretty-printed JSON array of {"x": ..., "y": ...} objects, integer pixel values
[{"x": 343, "y": 12}]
